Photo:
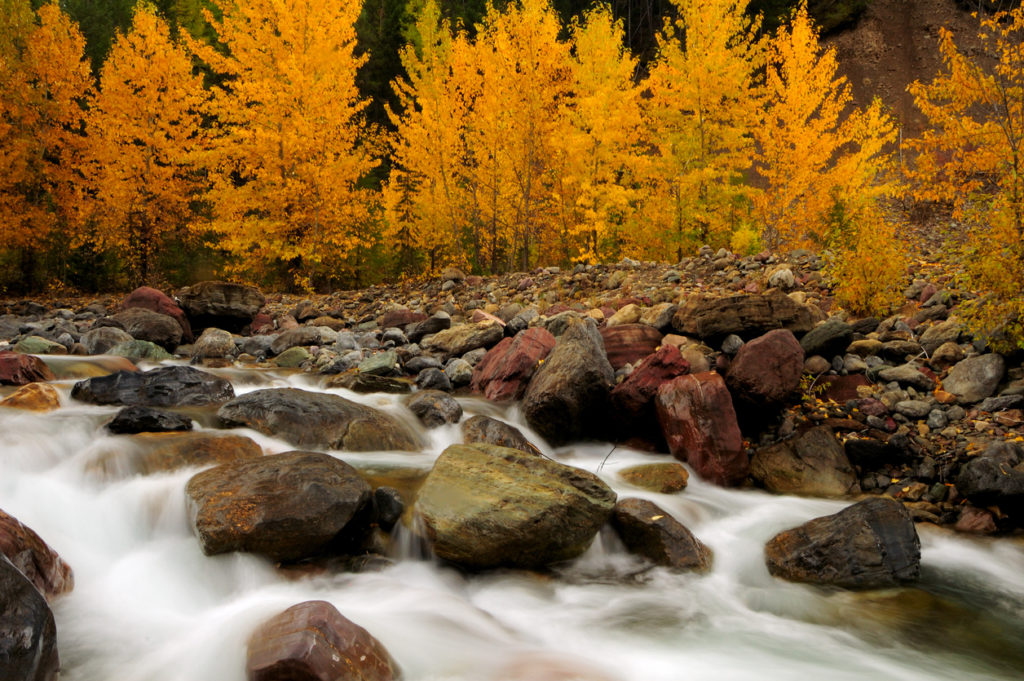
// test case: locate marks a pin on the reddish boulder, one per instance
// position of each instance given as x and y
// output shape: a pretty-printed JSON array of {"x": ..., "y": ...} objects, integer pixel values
[
  {"x": 767, "y": 370},
  {"x": 842, "y": 389},
  {"x": 312, "y": 641},
  {"x": 34, "y": 558},
  {"x": 506, "y": 369},
  {"x": 629, "y": 343},
  {"x": 699, "y": 423},
  {"x": 19, "y": 369},
  {"x": 157, "y": 301},
  {"x": 633, "y": 399},
  {"x": 400, "y": 318}
]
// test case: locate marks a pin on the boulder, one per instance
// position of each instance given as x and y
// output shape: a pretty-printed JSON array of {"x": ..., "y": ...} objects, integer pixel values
[
  {"x": 101, "y": 340},
  {"x": 507, "y": 368},
  {"x": 400, "y": 318},
  {"x": 284, "y": 506},
  {"x": 975, "y": 378},
  {"x": 633, "y": 398},
  {"x": 140, "y": 350},
  {"x": 434, "y": 408},
  {"x": 485, "y": 430},
  {"x": 302, "y": 336},
  {"x": 28, "y": 634},
  {"x": 369, "y": 383},
  {"x": 37, "y": 345},
  {"x": 699, "y": 423},
  {"x": 568, "y": 396},
  {"x": 171, "y": 386},
  {"x": 34, "y": 558},
  {"x": 908, "y": 374},
  {"x": 767, "y": 370},
  {"x": 659, "y": 316},
  {"x": 995, "y": 478},
  {"x": 293, "y": 357},
  {"x": 220, "y": 304},
  {"x": 312, "y": 641},
  {"x": 214, "y": 343},
  {"x": 484, "y": 506},
  {"x": 663, "y": 478},
  {"x": 160, "y": 452},
  {"x": 157, "y": 301},
  {"x": 870, "y": 545},
  {"x": 813, "y": 464},
  {"x": 381, "y": 364},
  {"x": 649, "y": 531},
  {"x": 458, "y": 340},
  {"x": 143, "y": 324},
  {"x": 629, "y": 343},
  {"x": 828, "y": 339},
  {"x": 431, "y": 325},
  {"x": 130, "y": 420},
  {"x": 309, "y": 419},
  {"x": 40, "y": 397},
  {"x": 937, "y": 335},
  {"x": 743, "y": 314}
]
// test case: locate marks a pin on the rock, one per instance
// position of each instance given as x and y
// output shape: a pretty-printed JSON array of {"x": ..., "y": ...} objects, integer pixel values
[
  {"x": 302, "y": 336},
  {"x": 143, "y": 324},
  {"x": 507, "y": 368},
  {"x": 699, "y": 423},
  {"x": 400, "y": 318},
  {"x": 368, "y": 383},
  {"x": 664, "y": 478},
  {"x": 659, "y": 316},
  {"x": 284, "y": 506},
  {"x": 139, "y": 350},
  {"x": 293, "y": 357},
  {"x": 161, "y": 452},
  {"x": 567, "y": 398},
  {"x": 435, "y": 408},
  {"x": 486, "y": 430},
  {"x": 220, "y": 304},
  {"x": 388, "y": 507},
  {"x": 39, "y": 563},
  {"x": 629, "y": 343},
  {"x": 214, "y": 342},
  {"x": 37, "y": 345},
  {"x": 39, "y": 397},
  {"x": 312, "y": 641},
  {"x": 380, "y": 364},
  {"x": 973, "y": 520},
  {"x": 913, "y": 409},
  {"x": 28, "y": 635},
  {"x": 458, "y": 371},
  {"x": 649, "y": 531},
  {"x": 975, "y": 378},
  {"x": 100, "y": 340},
  {"x": 484, "y": 506},
  {"x": 457, "y": 341},
  {"x": 865, "y": 347},
  {"x": 171, "y": 386},
  {"x": 871, "y": 454},
  {"x": 308, "y": 419},
  {"x": 147, "y": 420},
  {"x": 782, "y": 278},
  {"x": 946, "y": 355},
  {"x": 870, "y": 545},
  {"x": 744, "y": 315},
  {"x": 813, "y": 464},
  {"x": 157, "y": 301},
  {"x": 627, "y": 314},
  {"x": 434, "y": 324},
  {"x": 766, "y": 370},
  {"x": 19, "y": 369},
  {"x": 433, "y": 378},
  {"x": 828, "y": 339},
  {"x": 633, "y": 398},
  {"x": 995, "y": 478},
  {"x": 937, "y": 335},
  {"x": 908, "y": 374}
]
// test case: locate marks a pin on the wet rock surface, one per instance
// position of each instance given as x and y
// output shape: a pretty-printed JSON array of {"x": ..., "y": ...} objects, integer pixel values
[
  {"x": 649, "y": 531},
  {"x": 28, "y": 635},
  {"x": 165, "y": 387}
]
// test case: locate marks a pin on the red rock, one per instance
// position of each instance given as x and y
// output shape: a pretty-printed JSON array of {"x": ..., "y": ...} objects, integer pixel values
[
  {"x": 262, "y": 323},
  {"x": 629, "y": 343},
  {"x": 841, "y": 389},
  {"x": 506, "y": 369},
  {"x": 481, "y": 316},
  {"x": 19, "y": 369},
  {"x": 34, "y": 558},
  {"x": 767, "y": 370},
  {"x": 975, "y": 520},
  {"x": 635, "y": 395},
  {"x": 312, "y": 641},
  {"x": 400, "y": 318},
  {"x": 699, "y": 423},
  {"x": 157, "y": 301}
]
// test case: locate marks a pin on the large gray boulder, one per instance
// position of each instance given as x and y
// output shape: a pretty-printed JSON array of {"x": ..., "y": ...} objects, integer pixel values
[
  {"x": 147, "y": 325},
  {"x": 284, "y": 506},
  {"x": 319, "y": 420},
  {"x": 484, "y": 506},
  {"x": 28, "y": 635},
  {"x": 996, "y": 477},
  {"x": 171, "y": 386},
  {"x": 220, "y": 304},
  {"x": 568, "y": 396},
  {"x": 813, "y": 463},
  {"x": 870, "y": 545},
  {"x": 742, "y": 314},
  {"x": 975, "y": 378}
]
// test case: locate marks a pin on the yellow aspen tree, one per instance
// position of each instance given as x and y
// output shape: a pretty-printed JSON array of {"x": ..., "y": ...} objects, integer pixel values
[
  {"x": 599, "y": 154},
  {"x": 423, "y": 199},
  {"x": 43, "y": 80},
  {"x": 143, "y": 135},
  {"x": 702, "y": 107},
  {"x": 972, "y": 157},
  {"x": 821, "y": 158},
  {"x": 291, "y": 144}
]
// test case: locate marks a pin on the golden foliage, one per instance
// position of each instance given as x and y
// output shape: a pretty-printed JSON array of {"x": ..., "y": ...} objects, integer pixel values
[
  {"x": 972, "y": 157},
  {"x": 290, "y": 145},
  {"x": 143, "y": 136},
  {"x": 870, "y": 268}
]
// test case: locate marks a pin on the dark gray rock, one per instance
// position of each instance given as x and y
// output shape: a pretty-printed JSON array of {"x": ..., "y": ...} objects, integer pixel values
[
  {"x": 828, "y": 339},
  {"x": 100, "y": 340},
  {"x": 170, "y": 386},
  {"x": 434, "y": 408},
  {"x": 147, "y": 420},
  {"x": 28, "y": 635},
  {"x": 220, "y": 304},
  {"x": 649, "y": 531},
  {"x": 485, "y": 430},
  {"x": 996, "y": 477}
]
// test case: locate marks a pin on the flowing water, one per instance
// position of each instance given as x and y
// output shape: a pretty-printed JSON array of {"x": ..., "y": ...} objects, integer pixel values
[{"x": 149, "y": 606}]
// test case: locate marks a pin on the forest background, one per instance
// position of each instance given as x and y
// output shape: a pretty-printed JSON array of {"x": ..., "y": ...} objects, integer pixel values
[{"x": 313, "y": 144}]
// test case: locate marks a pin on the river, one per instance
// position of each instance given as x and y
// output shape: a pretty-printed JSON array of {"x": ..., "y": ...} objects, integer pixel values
[{"x": 149, "y": 606}]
